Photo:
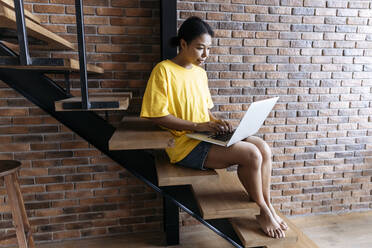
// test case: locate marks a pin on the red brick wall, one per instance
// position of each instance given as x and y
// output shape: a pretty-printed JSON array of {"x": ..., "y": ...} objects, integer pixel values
[
  {"x": 315, "y": 55},
  {"x": 71, "y": 189}
]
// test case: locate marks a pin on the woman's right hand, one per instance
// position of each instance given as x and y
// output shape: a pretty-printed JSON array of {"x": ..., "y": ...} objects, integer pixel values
[{"x": 213, "y": 126}]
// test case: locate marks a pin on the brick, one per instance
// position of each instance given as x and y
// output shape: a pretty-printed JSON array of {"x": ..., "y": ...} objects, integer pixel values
[
  {"x": 291, "y": 3},
  {"x": 111, "y": 30},
  {"x": 57, "y": 9},
  {"x": 109, "y": 11},
  {"x": 63, "y": 19},
  {"x": 316, "y": 3},
  {"x": 218, "y": 16}
]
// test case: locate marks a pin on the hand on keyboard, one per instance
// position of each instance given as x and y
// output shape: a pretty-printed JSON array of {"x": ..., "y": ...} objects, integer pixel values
[{"x": 222, "y": 136}]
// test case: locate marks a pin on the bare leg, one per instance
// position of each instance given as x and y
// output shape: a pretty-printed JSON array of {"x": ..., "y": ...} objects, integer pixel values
[
  {"x": 266, "y": 175},
  {"x": 249, "y": 160}
]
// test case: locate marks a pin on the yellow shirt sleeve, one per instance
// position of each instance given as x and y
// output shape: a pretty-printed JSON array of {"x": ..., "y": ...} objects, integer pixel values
[{"x": 155, "y": 100}]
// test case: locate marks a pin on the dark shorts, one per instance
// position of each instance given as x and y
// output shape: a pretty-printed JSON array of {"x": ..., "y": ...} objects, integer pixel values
[{"x": 196, "y": 158}]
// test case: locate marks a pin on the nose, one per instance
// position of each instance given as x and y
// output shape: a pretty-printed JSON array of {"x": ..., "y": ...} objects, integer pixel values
[{"x": 205, "y": 53}]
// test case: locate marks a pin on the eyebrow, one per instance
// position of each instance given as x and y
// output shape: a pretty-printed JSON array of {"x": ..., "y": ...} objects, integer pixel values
[{"x": 202, "y": 44}]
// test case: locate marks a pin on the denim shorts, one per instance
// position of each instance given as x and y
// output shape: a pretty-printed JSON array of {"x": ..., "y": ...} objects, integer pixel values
[{"x": 196, "y": 158}]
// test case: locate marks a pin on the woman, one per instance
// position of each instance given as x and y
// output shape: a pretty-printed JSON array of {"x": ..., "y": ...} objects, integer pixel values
[{"x": 177, "y": 98}]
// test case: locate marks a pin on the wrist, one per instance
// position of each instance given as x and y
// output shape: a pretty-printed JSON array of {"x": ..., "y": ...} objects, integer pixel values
[{"x": 195, "y": 126}]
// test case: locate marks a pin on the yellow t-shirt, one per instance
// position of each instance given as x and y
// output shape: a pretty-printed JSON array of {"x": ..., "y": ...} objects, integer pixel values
[{"x": 183, "y": 93}]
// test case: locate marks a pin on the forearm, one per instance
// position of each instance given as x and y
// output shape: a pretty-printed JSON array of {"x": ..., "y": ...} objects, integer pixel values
[
  {"x": 172, "y": 122},
  {"x": 211, "y": 116}
]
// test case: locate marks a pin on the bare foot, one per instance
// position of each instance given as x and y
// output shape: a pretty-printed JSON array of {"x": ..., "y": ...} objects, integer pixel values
[
  {"x": 269, "y": 225},
  {"x": 281, "y": 222}
]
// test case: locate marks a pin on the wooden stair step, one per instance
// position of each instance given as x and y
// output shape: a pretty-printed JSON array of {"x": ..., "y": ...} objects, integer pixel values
[
  {"x": 139, "y": 133},
  {"x": 39, "y": 37},
  {"x": 120, "y": 99},
  {"x": 251, "y": 234},
  {"x": 50, "y": 65},
  {"x": 223, "y": 198},
  {"x": 171, "y": 175},
  {"x": 10, "y": 4}
]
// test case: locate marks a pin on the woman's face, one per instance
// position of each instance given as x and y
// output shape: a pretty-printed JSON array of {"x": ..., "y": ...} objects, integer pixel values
[{"x": 198, "y": 50}]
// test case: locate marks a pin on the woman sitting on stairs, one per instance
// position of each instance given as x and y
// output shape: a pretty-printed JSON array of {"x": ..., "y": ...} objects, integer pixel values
[{"x": 177, "y": 98}]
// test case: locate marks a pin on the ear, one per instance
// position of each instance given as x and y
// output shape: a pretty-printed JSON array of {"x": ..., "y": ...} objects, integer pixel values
[{"x": 183, "y": 44}]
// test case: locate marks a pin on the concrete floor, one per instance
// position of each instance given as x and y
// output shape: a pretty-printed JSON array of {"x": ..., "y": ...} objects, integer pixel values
[{"x": 352, "y": 230}]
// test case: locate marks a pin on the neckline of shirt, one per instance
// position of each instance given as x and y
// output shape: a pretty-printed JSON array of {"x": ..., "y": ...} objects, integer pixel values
[{"x": 181, "y": 67}]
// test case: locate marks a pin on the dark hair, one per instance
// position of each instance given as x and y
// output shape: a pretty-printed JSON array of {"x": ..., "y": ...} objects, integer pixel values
[{"x": 190, "y": 29}]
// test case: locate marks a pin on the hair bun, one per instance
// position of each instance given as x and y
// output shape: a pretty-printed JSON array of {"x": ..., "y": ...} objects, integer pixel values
[{"x": 174, "y": 41}]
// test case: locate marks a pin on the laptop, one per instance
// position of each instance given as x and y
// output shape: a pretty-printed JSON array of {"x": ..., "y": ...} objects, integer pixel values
[{"x": 252, "y": 120}]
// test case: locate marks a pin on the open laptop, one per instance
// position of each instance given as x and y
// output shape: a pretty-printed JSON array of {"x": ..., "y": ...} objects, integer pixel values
[{"x": 253, "y": 119}]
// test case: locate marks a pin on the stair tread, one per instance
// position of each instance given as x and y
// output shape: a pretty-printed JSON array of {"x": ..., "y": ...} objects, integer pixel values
[
  {"x": 251, "y": 234},
  {"x": 121, "y": 99},
  {"x": 139, "y": 133},
  {"x": 44, "y": 37},
  {"x": 67, "y": 65},
  {"x": 223, "y": 198},
  {"x": 28, "y": 14},
  {"x": 171, "y": 175}
]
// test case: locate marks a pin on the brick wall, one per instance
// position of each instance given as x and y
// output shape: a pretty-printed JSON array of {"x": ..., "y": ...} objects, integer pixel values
[
  {"x": 315, "y": 55},
  {"x": 71, "y": 189}
]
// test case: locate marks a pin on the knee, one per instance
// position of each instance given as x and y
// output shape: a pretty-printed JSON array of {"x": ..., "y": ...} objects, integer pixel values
[
  {"x": 254, "y": 158},
  {"x": 264, "y": 149}
]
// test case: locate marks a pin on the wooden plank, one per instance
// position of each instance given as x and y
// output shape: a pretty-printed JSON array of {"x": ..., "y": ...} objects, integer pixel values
[
  {"x": 251, "y": 234},
  {"x": 28, "y": 14},
  {"x": 26, "y": 223},
  {"x": 16, "y": 212},
  {"x": 48, "y": 38},
  {"x": 122, "y": 100},
  {"x": 139, "y": 133},
  {"x": 169, "y": 174},
  {"x": 71, "y": 65},
  {"x": 223, "y": 198},
  {"x": 75, "y": 66}
]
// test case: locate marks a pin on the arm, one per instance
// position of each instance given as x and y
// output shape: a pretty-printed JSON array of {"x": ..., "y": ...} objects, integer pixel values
[{"x": 172, "y": 122}]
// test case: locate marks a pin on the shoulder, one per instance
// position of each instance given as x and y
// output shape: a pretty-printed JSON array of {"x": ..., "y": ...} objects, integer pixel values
[{"x": 161, "y": 66}]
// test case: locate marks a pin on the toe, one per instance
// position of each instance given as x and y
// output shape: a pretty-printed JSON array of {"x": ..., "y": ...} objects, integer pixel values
[
  {"x": 278, "y": 234},
  {"x": 283, "y": 225},
  {"x": 271, "y": 233},
  {"x": 282, "y": 233}
]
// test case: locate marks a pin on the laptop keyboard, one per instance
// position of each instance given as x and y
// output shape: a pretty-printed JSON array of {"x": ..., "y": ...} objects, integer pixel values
[{"x": 222, "y": 136}]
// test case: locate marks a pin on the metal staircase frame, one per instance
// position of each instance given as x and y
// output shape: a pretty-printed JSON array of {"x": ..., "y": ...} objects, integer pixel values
[{"x": 43, "y": 92}]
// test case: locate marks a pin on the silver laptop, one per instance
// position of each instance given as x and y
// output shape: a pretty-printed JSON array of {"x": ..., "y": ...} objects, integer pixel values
[{"x": 249, "y": 125}]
